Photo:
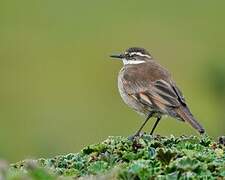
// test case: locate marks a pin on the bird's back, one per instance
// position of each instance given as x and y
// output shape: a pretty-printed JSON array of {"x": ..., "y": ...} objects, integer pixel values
[{"x": 150, "y": 71}]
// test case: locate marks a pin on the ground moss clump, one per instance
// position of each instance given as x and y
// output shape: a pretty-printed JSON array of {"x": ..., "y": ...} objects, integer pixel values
[{"x": 147, "y": 157}]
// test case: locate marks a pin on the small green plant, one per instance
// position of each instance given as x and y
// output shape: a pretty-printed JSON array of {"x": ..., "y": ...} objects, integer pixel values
[{"x": 147, "y": 157}]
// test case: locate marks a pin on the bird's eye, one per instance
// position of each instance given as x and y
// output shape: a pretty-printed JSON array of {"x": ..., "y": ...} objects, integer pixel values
[{"x": 127, "y": 55}]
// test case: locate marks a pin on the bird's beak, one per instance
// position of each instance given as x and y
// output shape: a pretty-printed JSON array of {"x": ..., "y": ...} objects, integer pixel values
[{"x": 119, "y": 56}]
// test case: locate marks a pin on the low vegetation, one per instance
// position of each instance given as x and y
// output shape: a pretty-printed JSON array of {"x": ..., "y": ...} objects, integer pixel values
[{"x": 147, "y": 157}]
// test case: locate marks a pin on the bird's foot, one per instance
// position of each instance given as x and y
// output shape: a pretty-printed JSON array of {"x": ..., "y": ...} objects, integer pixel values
[{"x": 135, "y": 136}]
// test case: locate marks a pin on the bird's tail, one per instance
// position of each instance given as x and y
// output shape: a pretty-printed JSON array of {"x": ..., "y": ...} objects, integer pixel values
[{"x": 186, "y": 115}]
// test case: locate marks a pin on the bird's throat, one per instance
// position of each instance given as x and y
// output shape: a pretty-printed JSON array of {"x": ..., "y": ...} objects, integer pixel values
[{"x": 125, "y": 61}]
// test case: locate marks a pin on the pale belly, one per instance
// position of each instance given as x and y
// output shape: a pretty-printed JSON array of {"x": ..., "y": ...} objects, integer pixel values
[{"x": 131, "y": 102}]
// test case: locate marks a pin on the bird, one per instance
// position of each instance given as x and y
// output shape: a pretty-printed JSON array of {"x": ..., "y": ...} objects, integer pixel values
[{"x": 148, "y": 88}]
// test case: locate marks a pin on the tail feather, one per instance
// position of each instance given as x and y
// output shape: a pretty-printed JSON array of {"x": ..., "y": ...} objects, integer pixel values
[{"x": 186, "y": 115}]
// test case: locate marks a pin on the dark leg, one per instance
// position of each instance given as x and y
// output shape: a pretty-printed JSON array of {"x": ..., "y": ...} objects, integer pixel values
[
  {"x": 146, "y": 120},
  {"x": 156, "y": 123}
]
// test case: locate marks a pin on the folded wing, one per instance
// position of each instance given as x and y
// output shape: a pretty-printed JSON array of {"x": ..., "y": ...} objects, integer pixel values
[{"x": 159, "y": 93}]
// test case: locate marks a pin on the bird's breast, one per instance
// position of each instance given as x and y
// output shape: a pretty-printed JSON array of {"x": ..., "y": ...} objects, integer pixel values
[{"x": 128, "y": 99}]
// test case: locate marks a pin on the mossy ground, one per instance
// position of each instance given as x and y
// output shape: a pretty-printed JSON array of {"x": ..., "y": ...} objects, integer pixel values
[{"x": 147, "y": 157}]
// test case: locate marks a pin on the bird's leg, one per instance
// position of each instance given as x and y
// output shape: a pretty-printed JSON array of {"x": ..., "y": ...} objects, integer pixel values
[
  {"x": 146, "y": 120},
  {"x": 156, "y": 123}
]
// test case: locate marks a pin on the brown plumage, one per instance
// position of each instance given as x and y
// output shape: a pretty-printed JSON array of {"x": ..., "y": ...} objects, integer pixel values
[{"x": 148, "y": 88}]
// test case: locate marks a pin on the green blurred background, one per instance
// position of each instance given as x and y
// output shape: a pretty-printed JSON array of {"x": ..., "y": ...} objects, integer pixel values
[{"x": 59, "y": 88}]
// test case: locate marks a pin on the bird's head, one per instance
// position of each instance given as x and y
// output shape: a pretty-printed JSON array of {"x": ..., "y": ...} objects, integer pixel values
[{"x": 134, "y": 55}]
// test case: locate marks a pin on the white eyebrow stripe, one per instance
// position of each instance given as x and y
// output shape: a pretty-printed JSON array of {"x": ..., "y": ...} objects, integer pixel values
[
  {"x": 140, "y": 54},
  {"x": 132, "y": 62}
]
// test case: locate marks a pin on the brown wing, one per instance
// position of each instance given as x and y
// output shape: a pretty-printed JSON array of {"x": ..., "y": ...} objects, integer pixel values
[
  {"x": 179, "y": 94},
  {"x": 160, "y": 93},
  {"x": 151, "y": 85}
]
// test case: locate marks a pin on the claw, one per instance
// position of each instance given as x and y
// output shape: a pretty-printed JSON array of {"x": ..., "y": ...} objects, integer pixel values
[{"x": 135, "y": 136}]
